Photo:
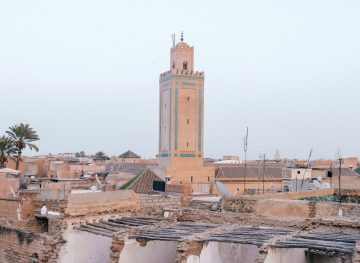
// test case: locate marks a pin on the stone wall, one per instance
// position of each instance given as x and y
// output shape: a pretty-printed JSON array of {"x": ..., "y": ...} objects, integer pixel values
[{"x": 240, "y": 204}]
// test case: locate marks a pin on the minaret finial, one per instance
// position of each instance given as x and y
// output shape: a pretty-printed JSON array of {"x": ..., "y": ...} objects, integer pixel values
[{"x": 182, "y": 36}]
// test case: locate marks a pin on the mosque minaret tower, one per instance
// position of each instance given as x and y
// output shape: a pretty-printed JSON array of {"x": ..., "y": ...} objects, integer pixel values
[{"x": 181, "y": 114}]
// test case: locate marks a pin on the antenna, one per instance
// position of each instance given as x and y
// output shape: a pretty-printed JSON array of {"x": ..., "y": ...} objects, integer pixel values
[
  {"x": 307, "y": 166},
  {"x": 245, "y": 150},
  {"x": 246, "y": 143},
  {"x": 340, "y": 159},
  {"x": 173, "y": 39}
]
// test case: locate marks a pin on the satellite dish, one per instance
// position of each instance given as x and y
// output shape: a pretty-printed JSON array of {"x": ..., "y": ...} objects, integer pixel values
[
  {"x": 222, "y": 189},
  {"x": 319, "y": 178},
  {"x": 325, "y": 185},
  {"x": 317, "y": 184}
]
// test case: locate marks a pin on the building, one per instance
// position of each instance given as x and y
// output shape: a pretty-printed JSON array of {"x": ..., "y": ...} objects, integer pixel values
[
  {"x": 9, "y": 181},
  {"x": 129, "y": 157},
  {"x": 181, "y": 126}
]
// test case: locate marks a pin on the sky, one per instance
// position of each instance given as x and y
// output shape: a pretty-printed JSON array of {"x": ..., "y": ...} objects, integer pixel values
[{"x": 85, "y": 74}]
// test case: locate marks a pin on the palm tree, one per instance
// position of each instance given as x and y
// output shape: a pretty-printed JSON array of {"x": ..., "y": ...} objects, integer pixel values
[
  {"x": 22, "y": 136},
  {"x": 6, "y": 150}
]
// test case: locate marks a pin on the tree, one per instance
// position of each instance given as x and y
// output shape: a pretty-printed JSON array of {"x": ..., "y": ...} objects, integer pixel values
[
  {"x": 80, "y": 154},
  {"x": 22, "y": 136},
  {"x": 6, "y": 150},
  {"x": 100, "y": 156}
]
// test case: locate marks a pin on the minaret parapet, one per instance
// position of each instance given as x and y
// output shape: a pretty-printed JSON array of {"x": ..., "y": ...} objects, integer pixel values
[{"x": 182, "y": 72}]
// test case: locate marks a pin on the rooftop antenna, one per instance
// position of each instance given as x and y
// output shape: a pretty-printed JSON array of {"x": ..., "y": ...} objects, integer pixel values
[
  {"x": 340, "y": 159},
  {"x": 182, "y": 36},
  {"x": 307, "y": 167},
  {"x": 173, "y": 39},
  {"x": 245, "y": 150},
  {"x": 246, "y": 143}
]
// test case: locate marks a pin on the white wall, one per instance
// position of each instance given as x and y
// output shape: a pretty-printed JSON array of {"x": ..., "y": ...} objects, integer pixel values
[
  {"x": 285, "y": 255},
  {"x": 84, "y": 247},
  {"x": 153, "y": 252},
  {"x": 221, "y": 252}
]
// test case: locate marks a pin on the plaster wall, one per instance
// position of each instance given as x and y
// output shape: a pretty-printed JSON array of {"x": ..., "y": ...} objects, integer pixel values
[
  {"x": 282, "y": 208},
  {"x": 286, "y": 255},
  {"x": 85, "y": 247},
  {"x": 220, "y": 252},
  {"x": 152, "y": 252},
  {"x": 297, "y": 255}
]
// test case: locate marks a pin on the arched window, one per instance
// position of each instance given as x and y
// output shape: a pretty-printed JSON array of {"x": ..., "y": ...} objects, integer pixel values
[{"x": 185, "y": 65}]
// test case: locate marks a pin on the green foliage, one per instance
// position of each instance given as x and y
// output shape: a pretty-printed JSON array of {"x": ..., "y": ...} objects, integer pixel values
[
  {"x": 22, "y": 136},
  {"x": 7, "y": 150},
  {"x": 100, "y": 156}
]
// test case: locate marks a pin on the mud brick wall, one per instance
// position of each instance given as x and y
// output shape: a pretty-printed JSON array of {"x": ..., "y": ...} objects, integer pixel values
[
  {"x": 8, "y": 209},
  {"x": 19, "y": 247},
  {"x": 158, "y": 202},
  {"x": 94, "y": 203}
]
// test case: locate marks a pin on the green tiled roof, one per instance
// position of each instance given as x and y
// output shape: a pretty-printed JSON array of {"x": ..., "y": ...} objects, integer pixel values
[
  {"x": 129, "y": 154},
  {"x": 357, "y": 170}
]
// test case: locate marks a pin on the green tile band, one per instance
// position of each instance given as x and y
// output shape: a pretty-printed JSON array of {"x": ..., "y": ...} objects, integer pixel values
[
  {"x": 176, "y": 118},
  {"x": 199, "y": 120},
  {"x": 170, "y": 121},
  {"x": 185, "y": 83},
  {"x": 187, "y": 155}
]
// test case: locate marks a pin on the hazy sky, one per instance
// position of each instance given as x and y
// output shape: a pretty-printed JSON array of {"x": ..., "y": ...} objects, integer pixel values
[{"x": 85, "y": 73}]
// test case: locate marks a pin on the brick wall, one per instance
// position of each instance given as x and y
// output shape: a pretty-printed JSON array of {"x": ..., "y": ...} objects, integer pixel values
[
  {"x": 8, "y": 209},
  {"x": 19, "y": 247}
]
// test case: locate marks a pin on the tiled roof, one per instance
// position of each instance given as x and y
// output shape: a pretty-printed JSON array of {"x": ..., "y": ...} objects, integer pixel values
[
  {"x": 129, "y": 154},
  {"x": 248, "y": 172}
]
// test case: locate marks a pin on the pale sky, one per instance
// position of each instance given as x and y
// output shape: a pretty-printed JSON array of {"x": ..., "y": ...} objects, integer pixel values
[{"x": 84, "y": 73}]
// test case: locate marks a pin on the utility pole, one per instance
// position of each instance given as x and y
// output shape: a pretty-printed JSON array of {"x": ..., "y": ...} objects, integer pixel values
[{"x": 262, "y": 156}]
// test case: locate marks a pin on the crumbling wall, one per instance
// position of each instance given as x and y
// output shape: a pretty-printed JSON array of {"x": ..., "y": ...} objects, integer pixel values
[
  {"x": 18, "y": 247},
  {"x": 240, "y": 204}
]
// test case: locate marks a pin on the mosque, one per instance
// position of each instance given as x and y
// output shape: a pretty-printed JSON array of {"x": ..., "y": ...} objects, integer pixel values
[{"x": 181, "y": 127}]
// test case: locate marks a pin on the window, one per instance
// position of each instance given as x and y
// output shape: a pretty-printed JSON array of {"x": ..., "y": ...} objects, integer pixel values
[
  {"x": 165, "y": 105},
  {"x": 191, "y": 179},
  {"x": 187, "y": 121},
  {"x": 188, "y": 98},
  {"x": 187, "y": 144},
  {"x": 185, "y": 65},
  {"x": 173, "y": 66},
  {"x": 208, "y": 178},
  {"x": 298, "y": 172}
]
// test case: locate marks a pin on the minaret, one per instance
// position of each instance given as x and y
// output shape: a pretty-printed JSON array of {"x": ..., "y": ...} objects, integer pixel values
[{"x": 181, "y": 126}]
